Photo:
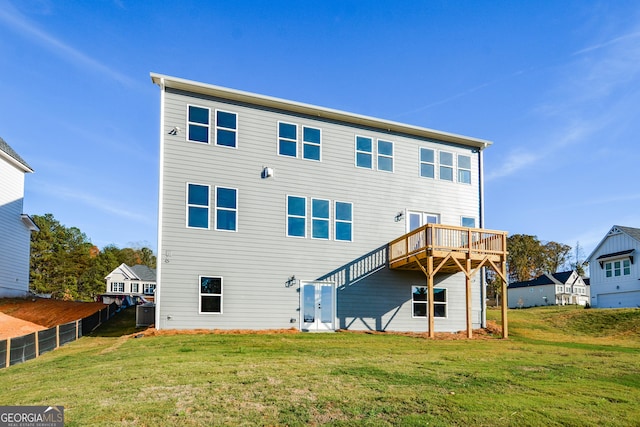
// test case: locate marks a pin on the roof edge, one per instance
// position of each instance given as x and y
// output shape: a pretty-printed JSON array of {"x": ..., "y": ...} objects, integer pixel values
[{"x": 268, "y": 101}]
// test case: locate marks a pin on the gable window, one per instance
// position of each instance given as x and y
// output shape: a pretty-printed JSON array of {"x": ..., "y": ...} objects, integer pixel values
[
  {"x": 319, "y": 219},
  {"x": 364, "y": 152},
  {"x": 344, "y": 221},
  {"x": 226, "y": 209},
  {"x": 210, "y": 294},
  {"x": 117, "y": 287},
  {"x": 287, "y": 139},
  {"x": 311, "y": 138},
  {"x": 226, "y": 128},
  {"x": 296, "y": 216},
  {"x": 198, "y": 124},
  {"x": 446, "y": 166},
  {"x": 419, "y": 302},
  {"x": 197, "y": 206},
  {"x": 427, "y": 163},
  {"x": 464, "y": 169},
  {"x": 617, "y": 268},
  {"x": 385, "y": 156}
]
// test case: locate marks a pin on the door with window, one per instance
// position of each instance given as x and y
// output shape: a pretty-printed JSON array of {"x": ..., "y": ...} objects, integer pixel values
[
  {"x": 418, "y": 219},
  {"x": 318, "y": 306}
]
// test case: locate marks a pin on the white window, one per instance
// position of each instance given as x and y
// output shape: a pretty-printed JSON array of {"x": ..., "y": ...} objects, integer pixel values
[
  {"x": 134, "y": 288},
  {"x": 117, "y": 287},
  {"x": 198, "y": 124},
  {"x": 468, "y": 222},
  {"x": 427, "y": 163},
  {"x": 343, "y": 221},
  {"x": 364, "y": 152},
  {"x": 320, "y": 218},
  {"x": 385, "y": 156},
  {"x": 296, "y": 216},
  {"x": 446, "y": 166},
  {"x": 197, "y": 206},
  {"x": 149, "y": 288},
  {"x": 311, "y": 140},
  {"x": 617, "y": 268},
  {"x": 210, "y": 295},
  {"x": 464, "y": 169},
  {"x": 287, "y": 139},
  {"x": 226, "y": 209},
  {"x": 226, "y": 129}
]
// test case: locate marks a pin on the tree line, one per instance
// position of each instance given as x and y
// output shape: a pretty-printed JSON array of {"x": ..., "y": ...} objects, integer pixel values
[
  {"x": 528, "y": 258},
  {"x": 65, "y": 264}
]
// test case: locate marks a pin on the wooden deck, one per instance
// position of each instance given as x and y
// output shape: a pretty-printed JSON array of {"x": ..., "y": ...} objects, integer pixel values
[{"x": 438, "y": 248}]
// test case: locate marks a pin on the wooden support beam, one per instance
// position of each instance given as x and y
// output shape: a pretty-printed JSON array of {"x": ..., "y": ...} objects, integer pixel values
[
  {"x": 505, "y": 329},
  {"x": 468, "y": 292},
  {"x": 432, "y": 323}
]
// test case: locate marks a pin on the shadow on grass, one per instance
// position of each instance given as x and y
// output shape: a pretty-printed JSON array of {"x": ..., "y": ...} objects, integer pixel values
[{"x": 122, "y": 323}]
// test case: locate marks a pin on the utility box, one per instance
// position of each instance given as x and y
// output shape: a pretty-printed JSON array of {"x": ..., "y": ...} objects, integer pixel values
[{"x": 145, "y": 314}]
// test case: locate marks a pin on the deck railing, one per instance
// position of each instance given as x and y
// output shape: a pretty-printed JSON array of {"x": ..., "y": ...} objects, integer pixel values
[{"x": 439, "y": 237}]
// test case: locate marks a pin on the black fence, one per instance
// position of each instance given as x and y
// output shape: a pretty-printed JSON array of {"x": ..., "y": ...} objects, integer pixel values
[{"x": 20, "y": 349}]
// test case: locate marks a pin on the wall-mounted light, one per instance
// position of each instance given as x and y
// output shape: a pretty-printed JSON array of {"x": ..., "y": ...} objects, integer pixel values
[
  {"x": 266, "y": 173},
  {"x": 291, "y": 281},
  {"x": 176, "y": 130},
  {"x": 399, "y": 216}
]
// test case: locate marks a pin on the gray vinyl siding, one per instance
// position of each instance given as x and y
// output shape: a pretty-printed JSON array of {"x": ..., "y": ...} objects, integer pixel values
[
  {"x": 257, "y": 260},
  {"x": 15, "y": 240}
]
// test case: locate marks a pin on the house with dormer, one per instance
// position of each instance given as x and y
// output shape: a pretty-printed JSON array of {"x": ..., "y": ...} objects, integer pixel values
[
  {"x": 15, "y": 225},
  {"x": 613, "y": 269},
  {"x": 278, "y": 214}
]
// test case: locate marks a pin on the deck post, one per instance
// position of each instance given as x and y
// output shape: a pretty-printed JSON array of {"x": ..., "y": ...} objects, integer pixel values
[
  {"x": 430, "y": 296},
  {"x": 505, "y": 331},
  {"x": 467, "y": 274}
]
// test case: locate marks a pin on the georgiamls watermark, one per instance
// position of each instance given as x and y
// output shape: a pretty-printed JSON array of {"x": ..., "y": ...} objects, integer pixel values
[{"x": 31, "y": 416}]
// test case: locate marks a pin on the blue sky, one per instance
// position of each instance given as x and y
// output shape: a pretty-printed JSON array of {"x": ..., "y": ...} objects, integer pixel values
[{"x": 554, "y": 84}]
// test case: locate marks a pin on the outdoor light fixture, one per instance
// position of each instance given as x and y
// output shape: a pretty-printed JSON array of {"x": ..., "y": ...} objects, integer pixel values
[
  {"x": 399, "y": 216},
  {"x": 266, "y": 173},
  {"x": 176, "y": 130}
]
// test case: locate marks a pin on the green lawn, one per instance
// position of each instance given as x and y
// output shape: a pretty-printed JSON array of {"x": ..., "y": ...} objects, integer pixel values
[{"x": 552, "y": 371}]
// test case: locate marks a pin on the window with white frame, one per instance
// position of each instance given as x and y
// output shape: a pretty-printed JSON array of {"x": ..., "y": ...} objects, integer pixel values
[
  {"x": 364, "y": 152},
  {"x": 210, "y": 294},
  {"x": 343, "y": 221},
  {"x": 197, "y": 206},
  {"x": 197, "y": 124},
  {"x": 617, "y": 268},
  {"x": 385, "y": 156},
  {"x": 226, "y": 209},
  {"x": 311, "y": 139},
  {"x": 149, "y": 288},
  {"x": 320, "y": 219},
  {"x": 134, "y": 288},
  {"x": 446, "y": 166},
  {"x": 287, "y": 139},
  {"x": 464, "y": 169},
  {"x": 117, "y": 287},
  {"x": 226, "y": 128},
  {"x": 467, "y": 221},
  {"x": 296, "y": 216},
  {"x": 420, "y": 302},
  {"x": 427, "y": 163}
]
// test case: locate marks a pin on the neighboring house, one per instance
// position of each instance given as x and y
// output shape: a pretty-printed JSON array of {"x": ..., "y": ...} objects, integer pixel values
[
  {"x": 15, "y": 226},
  {"x": 562, "y": 288},
  {"x": 278, "y": 214},
  {"x": 137, "y": 282},
  {"x": 613, "y": 269}
]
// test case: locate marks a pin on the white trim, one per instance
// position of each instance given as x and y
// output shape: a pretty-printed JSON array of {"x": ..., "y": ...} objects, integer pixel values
[
  {"x": 420, "y": 162},
  {"x": 198, "y": 124},
  {"x": 215, "y": 209},
  {"x": 306, "y": 215},
  {"x": 186, "y": 204},
  {"x": 286, "y": 139},
  {"x": 303, "y": 143},
  {"x": 441, "y": 165},
  {"x": 200, "y": 294},
  {"x": 327, "y": 219},
  {"x": 336, "y": 220},
  {"x": 356, "y": 151},
  {"x": 392, "y": 156},
  {"x": 458, "y": 169},
  {"x": 216, "y": 127}
]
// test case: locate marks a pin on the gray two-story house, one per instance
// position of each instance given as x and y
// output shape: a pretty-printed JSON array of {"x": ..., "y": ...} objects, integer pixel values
[{"x": 277, "y": 214}]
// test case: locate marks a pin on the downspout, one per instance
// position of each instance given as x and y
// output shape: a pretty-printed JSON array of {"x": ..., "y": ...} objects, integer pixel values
[{"x": 160, "y": 258}]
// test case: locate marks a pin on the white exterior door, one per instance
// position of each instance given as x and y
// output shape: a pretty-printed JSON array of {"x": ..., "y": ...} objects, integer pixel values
[
  {"x": 318, "y": 306},
  {"x": 418, "y": 219}
]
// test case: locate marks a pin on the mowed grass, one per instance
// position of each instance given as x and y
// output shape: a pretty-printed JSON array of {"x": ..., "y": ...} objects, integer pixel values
[{"x": 561, "y": 366}]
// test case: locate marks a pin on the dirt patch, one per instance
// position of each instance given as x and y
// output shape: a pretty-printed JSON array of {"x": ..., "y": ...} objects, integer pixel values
[{"x": 23, "y": 316}]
